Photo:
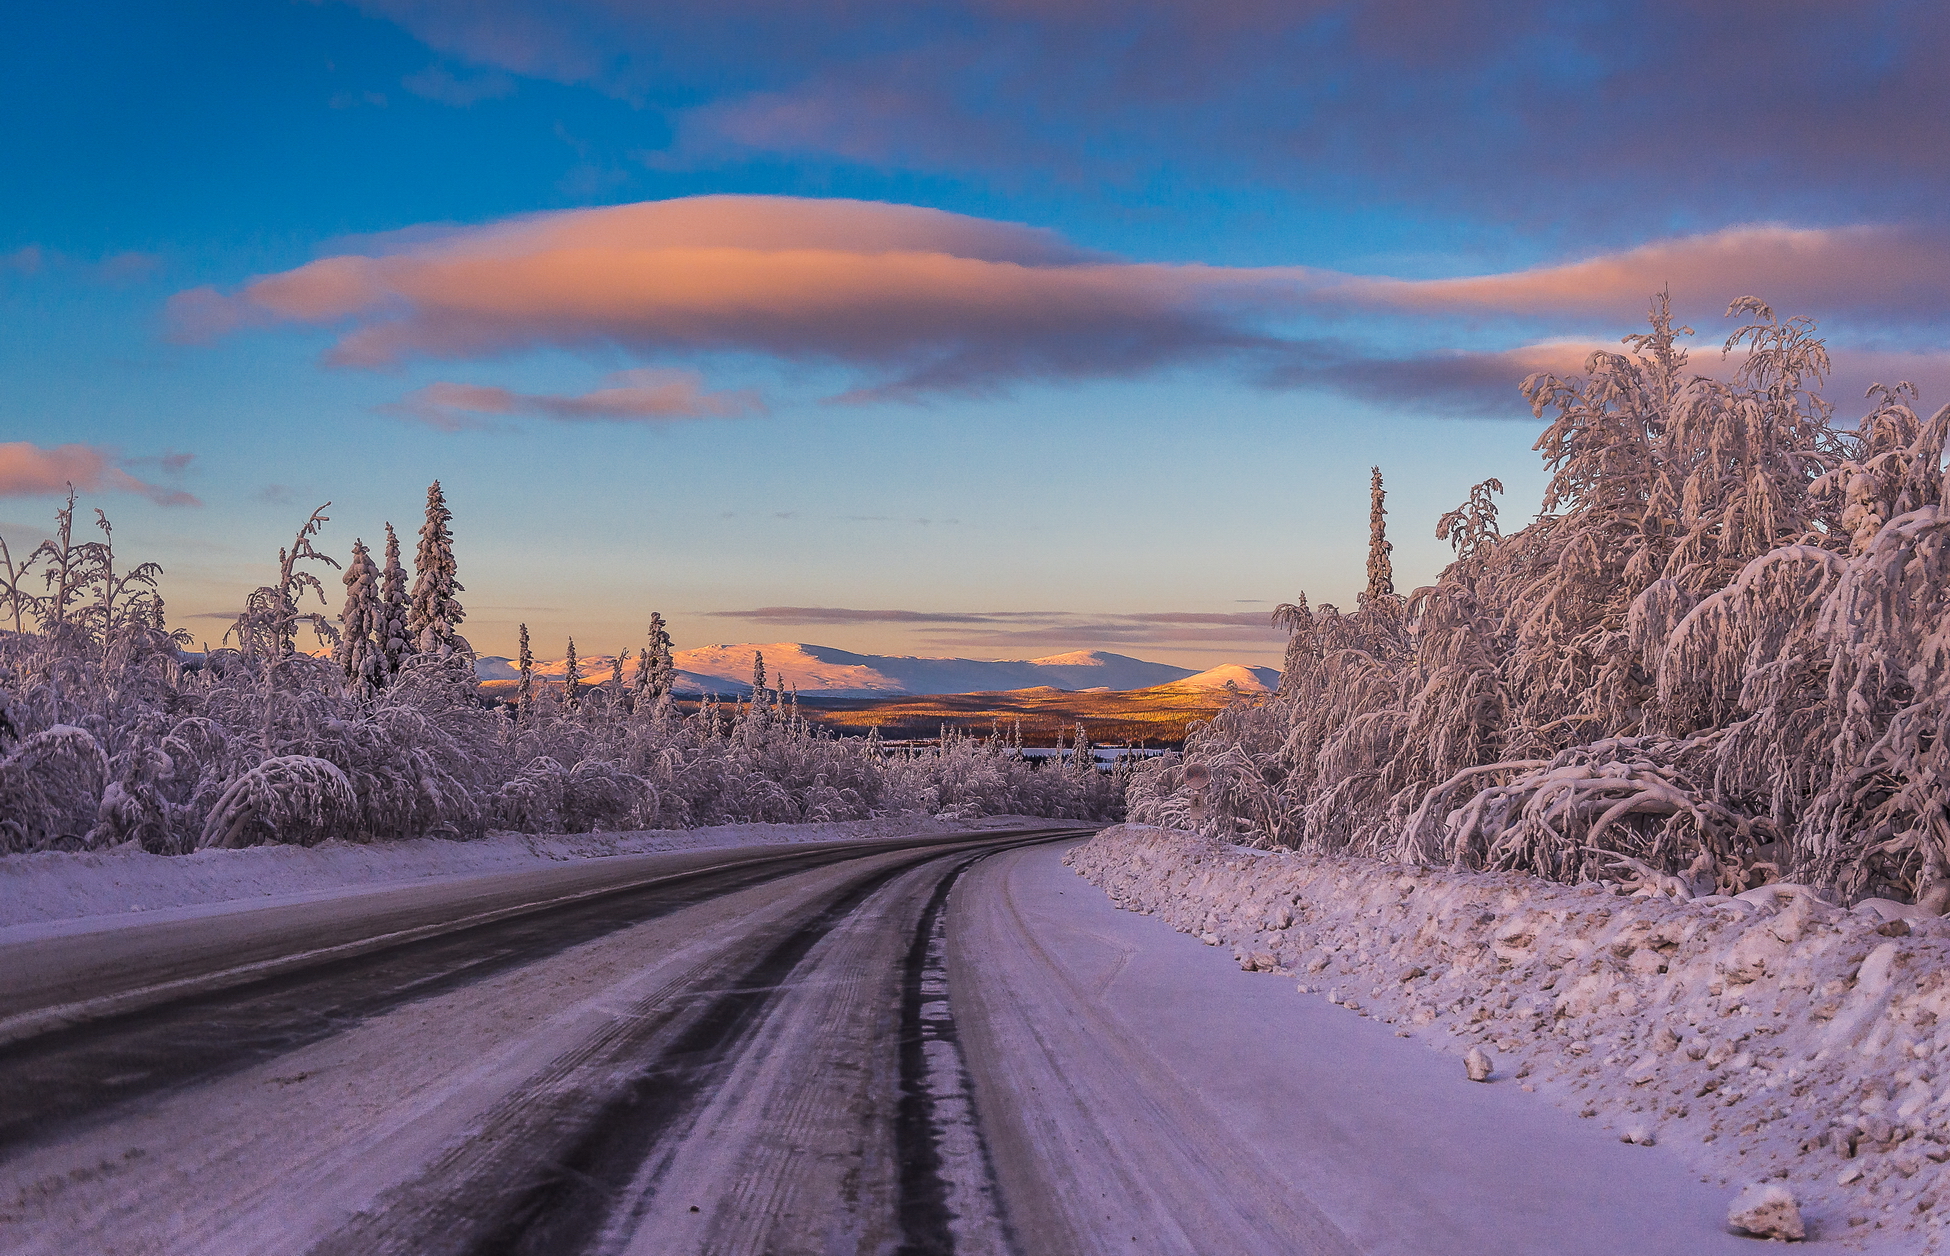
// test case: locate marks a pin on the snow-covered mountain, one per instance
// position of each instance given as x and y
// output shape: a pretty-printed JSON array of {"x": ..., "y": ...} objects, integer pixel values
[
  {"x": 1245, "y": 679},
  {"x": 824, "y": 670}
]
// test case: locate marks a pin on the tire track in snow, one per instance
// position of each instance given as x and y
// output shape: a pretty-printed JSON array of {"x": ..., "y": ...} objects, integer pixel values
[
  {"x": 70, "y": 1078},
  {"x": 593, "y": 1163}
]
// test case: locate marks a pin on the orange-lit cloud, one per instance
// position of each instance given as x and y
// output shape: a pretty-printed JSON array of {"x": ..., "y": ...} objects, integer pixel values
[
  {"x": 27, "y": 470},
  {"x": 1899, "y": 272},
  {"x": 638, "y": 396},
  {"x": 919, "y": 301},
  {"x": 926, "y": 300}
]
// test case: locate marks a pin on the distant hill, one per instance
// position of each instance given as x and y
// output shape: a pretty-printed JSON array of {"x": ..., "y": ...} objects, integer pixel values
[{"x": 825, "y": 671}]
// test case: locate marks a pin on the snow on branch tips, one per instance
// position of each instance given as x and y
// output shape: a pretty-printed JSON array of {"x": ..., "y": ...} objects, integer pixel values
[
  {"x": 113, "y": 734},
  {"x": 1716, "y": 659}
]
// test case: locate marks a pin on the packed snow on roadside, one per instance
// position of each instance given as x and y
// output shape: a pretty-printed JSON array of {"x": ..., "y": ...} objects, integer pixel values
[
  {"x": 61, "y": 885},
  {"x": 1771, "y": 1040}
]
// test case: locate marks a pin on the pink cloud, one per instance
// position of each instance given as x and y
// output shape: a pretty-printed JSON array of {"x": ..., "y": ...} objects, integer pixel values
[
  {"x": 27, "y": 470},
  {"x": 936, "y": 300},
  {"x": 638, "y": 396},
  {"x": 1901, "y": 272},
  {"x": 920, "y": 302}
]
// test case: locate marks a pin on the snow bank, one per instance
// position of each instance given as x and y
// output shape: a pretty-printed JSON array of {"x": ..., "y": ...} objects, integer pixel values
[
  {"x": 59, "y": 885},
  {"x": 1767, "y": 1039}
]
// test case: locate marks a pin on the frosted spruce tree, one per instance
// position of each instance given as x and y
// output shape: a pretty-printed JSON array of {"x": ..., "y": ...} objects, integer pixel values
[
  {"x": 434, "y": 615},
  {"x": 663, "y": 668},
  {"x": 389, "y": 632},
  {"x": 357, "y": 652},
  {"x": 525, "y": 687},
  {"x": 1381, "y": 564},
  {"x": 572, "y": 679}
]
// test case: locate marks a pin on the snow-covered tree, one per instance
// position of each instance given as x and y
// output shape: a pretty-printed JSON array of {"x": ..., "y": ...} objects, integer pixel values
[
  {"x": 357, "y": 653},
  {"x": 434, "y": 615},
  {"x": 1381, "y": 564},
  {"x": 572, "y": 679},
  {"x": 525, "y": 686},
  {"x": 659, "y": 670},
  {"x": 389, "y": 629},
  {"x": 1715, "y": 658}
]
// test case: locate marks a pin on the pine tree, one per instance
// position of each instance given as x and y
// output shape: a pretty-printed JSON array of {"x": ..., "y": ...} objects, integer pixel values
[
  {"x": 389, "y": 629},
  {"x": 434, "y": 614},
  {"x": 357, "y": 652},
  {"x": 758, "y": 681},
  {"x": 1083, "y": 758},
  {"x": 615, "y": 694},
  {"x": 1381, "y": 568},
  {"x": 525, "y": 689},
  {"x": 663, "y": 670},
  {"x": 1298, "y": 620},
  {"x": 572, "y": 680}
]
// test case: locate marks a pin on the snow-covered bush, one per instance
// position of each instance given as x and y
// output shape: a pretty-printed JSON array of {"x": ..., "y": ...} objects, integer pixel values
[
  {"x": 111, "y": 734},
  {"x": 1717, "y": 657}
]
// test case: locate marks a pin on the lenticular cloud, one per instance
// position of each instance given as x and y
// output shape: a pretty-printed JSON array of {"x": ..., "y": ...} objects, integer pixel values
[
  {"x": 915, "y": 301},
  {"x": 925, "y": 300}
]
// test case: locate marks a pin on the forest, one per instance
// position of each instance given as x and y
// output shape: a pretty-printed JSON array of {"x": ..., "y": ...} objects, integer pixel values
[
  {"x": 112, "y": 733},
  {"x": 1715, "y": 659}
]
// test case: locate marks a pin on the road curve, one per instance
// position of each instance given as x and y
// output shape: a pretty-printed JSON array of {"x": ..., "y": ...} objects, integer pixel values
[
  {"x": 941, "y": 1046},
  {"x": 751, "y": 1056}
]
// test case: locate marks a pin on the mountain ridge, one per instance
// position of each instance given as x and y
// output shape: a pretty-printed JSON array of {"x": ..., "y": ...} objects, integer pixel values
[{"x": 828, "y": 671}]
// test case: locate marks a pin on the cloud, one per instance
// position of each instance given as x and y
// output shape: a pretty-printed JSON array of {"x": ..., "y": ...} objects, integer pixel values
[
  {"x": 1877, "y": 272},
  {"x": 924, "y": 301},
  {"x": 918, "y": 302},
  {"x": 27, "y": 470},
  {"x": 1611, "y": 108},
  {"x": 638, "y": 396},
  {"x": 846, "y": 615}
]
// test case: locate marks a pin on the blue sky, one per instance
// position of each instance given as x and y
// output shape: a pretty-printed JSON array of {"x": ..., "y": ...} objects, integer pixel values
[{"x": 1094, "y": 311}]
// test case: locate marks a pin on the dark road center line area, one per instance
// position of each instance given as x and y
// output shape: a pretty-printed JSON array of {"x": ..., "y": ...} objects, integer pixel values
[
  {"x": 567, "y": 1210},
  {"x": 569, "y": 1169},
  {"x": 68, "y": 1078}
]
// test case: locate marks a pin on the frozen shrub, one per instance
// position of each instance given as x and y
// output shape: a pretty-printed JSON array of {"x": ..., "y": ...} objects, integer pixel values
[{"x": 111, "y": 734}]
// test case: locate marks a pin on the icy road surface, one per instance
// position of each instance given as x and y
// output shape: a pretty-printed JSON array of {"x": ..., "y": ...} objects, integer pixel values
[{"x": 956, "y": 1045}]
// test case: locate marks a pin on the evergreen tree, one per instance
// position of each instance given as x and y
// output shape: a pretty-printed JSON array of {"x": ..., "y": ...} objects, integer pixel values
[
  {"x": 1381, "y": 568},
  {"x": 640, "y": 681},
  {"x": 525, "y": 689},
  {"x": 389, "y": 629},
  {"x": 662, "y": 672},
  {"x": 1298, "y": 620},
  {"x": 758, "y": 681},
  {"x": 615, "y": 694},
  {"x": 357, "y": 652},
  {"x": 572, "y": 680},
  {"x": 434, "y": 613},
  {"x": 1083, "y": 758}
]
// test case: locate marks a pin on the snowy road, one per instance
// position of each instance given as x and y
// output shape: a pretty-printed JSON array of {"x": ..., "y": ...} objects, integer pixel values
[{"x": 760, "y": 1054}]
